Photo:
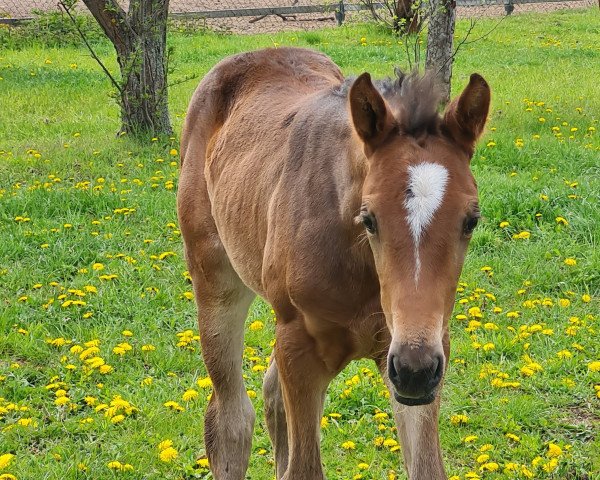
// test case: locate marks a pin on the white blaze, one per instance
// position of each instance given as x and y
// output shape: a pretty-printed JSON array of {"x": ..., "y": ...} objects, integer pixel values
[{"x": 427, "y": 183}]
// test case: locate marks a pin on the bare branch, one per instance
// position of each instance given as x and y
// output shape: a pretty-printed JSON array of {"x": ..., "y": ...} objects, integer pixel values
[
  {"x": 111, "y": 18},
  {"x": 87, "y": 44}
]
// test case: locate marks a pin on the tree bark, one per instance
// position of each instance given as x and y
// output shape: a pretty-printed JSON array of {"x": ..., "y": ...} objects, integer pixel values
[
  {"x": 440, "y": 39},
  {"x": 406, "y": 17},
  {"x": 140, "y": 40}
]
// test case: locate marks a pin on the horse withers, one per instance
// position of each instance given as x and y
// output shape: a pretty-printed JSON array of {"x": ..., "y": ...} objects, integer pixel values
[{"x": 348, "y": 205}]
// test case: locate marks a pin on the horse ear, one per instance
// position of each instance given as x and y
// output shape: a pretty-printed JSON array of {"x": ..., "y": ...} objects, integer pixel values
[
  {"x": 465, "y": 117},
  {"x": 370, "y": 114}
]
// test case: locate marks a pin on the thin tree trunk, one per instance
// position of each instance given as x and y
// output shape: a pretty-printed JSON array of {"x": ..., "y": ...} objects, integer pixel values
[
  {"x": 440, "y": 42},
  {"x": 139, "y": 38},
  {"x": 406, "y": 19}
]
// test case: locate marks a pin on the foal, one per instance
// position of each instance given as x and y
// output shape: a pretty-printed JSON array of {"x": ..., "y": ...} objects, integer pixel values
[{"x": 348, "y": 206}]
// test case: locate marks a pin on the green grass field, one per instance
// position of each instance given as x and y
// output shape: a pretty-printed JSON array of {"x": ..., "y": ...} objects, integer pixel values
[{"x": 99, "y": 358}]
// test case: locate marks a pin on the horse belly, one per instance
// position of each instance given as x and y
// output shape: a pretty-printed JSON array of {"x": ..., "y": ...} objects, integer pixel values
[{"x": 240, "y": 190}]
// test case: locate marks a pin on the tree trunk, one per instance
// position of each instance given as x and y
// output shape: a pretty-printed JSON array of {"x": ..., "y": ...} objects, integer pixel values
[
  {"x": 406, "y": 17},
  {"x": 439, "y": 43},
  {"x": 140, "y": 40}
]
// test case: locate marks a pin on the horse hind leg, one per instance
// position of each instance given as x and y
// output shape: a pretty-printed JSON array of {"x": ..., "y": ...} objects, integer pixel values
[
  {"x": 223, "y": 302},
  {"x": 275, "y": 417}
]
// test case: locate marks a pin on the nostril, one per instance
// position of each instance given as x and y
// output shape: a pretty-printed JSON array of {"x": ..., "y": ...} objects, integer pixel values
[
  {"x": 438, "y": 367},
  {"x": 393, "y": 367}
]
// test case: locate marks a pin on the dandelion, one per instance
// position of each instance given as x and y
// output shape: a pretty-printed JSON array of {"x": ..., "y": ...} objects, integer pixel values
[
  {"x": 554, "y": 450},
  {"x": 349, "y": 445},
  {"x": 165, "y": 444},
  {"x": 204, "y": 382},
  {"x": 561, "y": 221},
  {"x": 189, "y": 395},
  {"x": 257, "y": 325},
  {"x": 550, "y": 466},
  {"x": 117, "y": 419},
  {"x": 60, "y": 401},
  {"x": 594, "y": 366},
  {"x": 489, "y": 467},
  {"x": 571, "y": 262},
  {"x": 585, "y": 298},
  {"x": 524, "y": 235},
  {"x": 5, "y": 460},
  {"x": 390, "y": 443},
  {"x": 202, "y": 462},
  {"x": 168, "y": 454},
  {"x": 172, "y": 405}
]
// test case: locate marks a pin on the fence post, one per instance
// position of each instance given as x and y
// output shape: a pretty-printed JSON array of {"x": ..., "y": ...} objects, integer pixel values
[{"x": 340, "y": 13}]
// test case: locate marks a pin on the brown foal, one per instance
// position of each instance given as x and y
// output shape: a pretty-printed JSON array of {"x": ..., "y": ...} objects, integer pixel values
[{"x": 346, "y": 204}]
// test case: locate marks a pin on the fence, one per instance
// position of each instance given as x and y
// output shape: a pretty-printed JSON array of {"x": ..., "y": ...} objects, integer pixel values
[{"x": 252, "y": 16}]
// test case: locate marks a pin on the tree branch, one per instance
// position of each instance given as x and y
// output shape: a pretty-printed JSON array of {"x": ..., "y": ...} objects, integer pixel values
[
  {"x": 87, "y": 44},
  {"x": 111, "y": 17}
]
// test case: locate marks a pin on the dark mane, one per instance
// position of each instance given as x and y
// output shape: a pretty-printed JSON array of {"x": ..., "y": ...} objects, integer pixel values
[{"x": 413, "y": 98}]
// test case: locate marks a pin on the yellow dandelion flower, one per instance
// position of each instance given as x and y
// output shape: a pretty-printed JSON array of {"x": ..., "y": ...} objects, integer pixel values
[
  {"x": 117, "y": 419},
  {"x": 115, "y": 465},
  {"x": 172, "y": 405},
  {"x": 168, "y": 454},
  {"x": 524, "y": 235},
  {"x": 594, "y": 366},
  {"x": 60, "y": 401},
  {"x": 459, "y": 419},
  {"x": 204, "y": 382},
  {"x": 165, "y": 444},
  {"x": 189, "y": 395},
  {"x": 489, "y": 467},
  {"x": 554, "y": 450},
  {"x": 5, "y": 460},
  {"x": 561, "y": 221},
  {"x": 349, "y": 445}
]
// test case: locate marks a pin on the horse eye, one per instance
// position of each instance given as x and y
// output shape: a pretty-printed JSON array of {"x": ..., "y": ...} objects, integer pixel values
[
  {"x": 369, "y": 223},
  {"x": 470, "y": 224}
]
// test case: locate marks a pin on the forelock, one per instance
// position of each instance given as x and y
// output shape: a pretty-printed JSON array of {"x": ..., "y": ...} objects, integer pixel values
[{"x": 414, "y": 98}]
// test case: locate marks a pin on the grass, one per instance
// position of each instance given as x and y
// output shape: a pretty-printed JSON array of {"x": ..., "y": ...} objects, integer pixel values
[{"x": 88, "y": 217}]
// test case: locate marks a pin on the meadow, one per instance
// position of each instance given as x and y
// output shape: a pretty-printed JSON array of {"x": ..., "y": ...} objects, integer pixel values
[{"x": 100, "y": 369}]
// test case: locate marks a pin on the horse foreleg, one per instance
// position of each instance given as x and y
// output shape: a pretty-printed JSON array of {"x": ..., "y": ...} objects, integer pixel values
[
  {"x": 418, "y": 430},
  {"x": 275, "y": 416},
  {"x": 304, "y": 379}
]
